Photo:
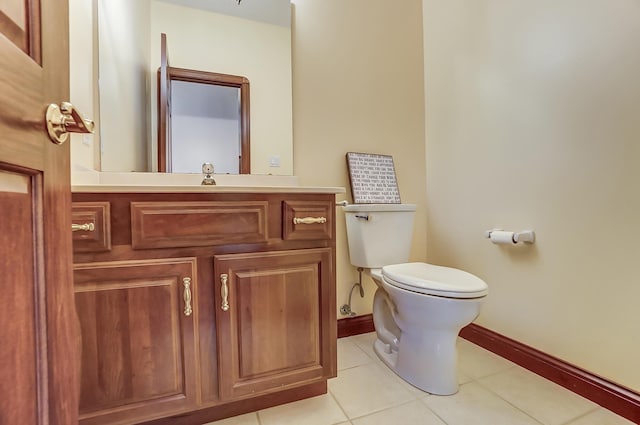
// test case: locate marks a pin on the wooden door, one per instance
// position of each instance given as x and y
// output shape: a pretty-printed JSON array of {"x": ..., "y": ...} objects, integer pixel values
[
  {"x": 275, "y": 331},
  {"x": 38, "y": 326},
  {"x": 138, "y": 339},
  {"x": 164, "y": 108}
]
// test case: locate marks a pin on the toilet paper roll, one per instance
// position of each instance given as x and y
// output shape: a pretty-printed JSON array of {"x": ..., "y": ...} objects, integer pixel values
[{"x": 501, "y": 237}]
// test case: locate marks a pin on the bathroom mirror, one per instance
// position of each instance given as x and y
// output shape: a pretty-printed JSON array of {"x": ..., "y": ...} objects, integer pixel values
[{"x": 251, "y": 39}]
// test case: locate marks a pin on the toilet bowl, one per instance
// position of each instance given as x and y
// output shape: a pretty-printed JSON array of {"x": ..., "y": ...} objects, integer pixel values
[
  {"x": 417, "y": 320},
  {"x": 418, "y": 308}
]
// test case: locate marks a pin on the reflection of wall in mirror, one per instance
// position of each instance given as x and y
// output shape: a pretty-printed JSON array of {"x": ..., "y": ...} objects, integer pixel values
[
  {"x": 123, "y": 27},
  {"x": 82, "y": 74},
  {"x": 109, "y": 42}
]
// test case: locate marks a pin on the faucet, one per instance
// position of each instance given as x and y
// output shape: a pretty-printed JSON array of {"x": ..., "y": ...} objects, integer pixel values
[{"x": 207, "y": 171}]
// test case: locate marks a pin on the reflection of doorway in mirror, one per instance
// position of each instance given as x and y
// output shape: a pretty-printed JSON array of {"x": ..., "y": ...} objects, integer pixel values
[{"x": 205, "y": 127}]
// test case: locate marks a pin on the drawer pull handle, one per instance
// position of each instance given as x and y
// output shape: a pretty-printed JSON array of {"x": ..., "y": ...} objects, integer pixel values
[
  {"x": 224, "y": 291},
  {"x": 187, "y": 296},
  {"x": 309, "y": 220},
  {"x": 86, "y": 227}
]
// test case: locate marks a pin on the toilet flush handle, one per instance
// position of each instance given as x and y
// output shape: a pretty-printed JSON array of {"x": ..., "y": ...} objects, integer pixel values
[{"x": 363, "y": 217}]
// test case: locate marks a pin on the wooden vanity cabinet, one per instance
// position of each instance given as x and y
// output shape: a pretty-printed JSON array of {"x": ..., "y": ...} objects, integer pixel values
[{"x": 261, "y": 328}]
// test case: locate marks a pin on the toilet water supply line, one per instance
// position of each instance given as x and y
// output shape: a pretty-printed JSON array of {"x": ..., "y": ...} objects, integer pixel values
[{"x": 345, "y": 310}]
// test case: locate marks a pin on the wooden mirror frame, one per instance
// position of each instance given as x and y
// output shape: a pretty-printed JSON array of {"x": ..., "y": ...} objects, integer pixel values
[{"x": 203, "y": 77}]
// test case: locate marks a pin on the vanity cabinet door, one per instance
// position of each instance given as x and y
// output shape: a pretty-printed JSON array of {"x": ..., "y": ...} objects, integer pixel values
[
  {"x": 276, "y": 320},
  {"x": 138, "y": 339}
]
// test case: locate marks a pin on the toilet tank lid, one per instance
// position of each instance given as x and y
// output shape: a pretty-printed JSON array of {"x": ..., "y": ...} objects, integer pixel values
[
  {"x": 436, "y": 280},
  {"x": 379, "y": 207}
]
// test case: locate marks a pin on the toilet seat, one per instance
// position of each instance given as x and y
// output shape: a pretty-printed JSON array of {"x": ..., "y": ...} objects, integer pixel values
[{"x": 435, "y": 280}]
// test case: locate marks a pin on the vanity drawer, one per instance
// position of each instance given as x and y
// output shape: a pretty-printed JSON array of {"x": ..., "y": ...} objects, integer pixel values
[
  {"x": 95, "y": 235},
  {"x": 205, "y": 223},
  {"x": 307, "y": 220}
]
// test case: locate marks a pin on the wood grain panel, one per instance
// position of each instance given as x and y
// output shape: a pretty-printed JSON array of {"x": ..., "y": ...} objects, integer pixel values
[
  {"x": 138, "y": 346},
  {"x": 276, "y": 331},
  {"x": 207, "y": 341},
  {"x": 179, "y": 224},
  {"x": 238, "y": 407},
  {"x": 276, "y": 307},
  {"x": 98, "y": 213},
  {"x": 20, "y": 23},
  {"x": 18, "y": 304},
  {"x": 302, "y": 209},
  {"x": 34, "y": 73}
]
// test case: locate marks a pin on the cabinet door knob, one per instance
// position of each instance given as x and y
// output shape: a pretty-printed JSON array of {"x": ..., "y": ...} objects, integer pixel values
[
  {"x": 309, "y": 220},
  {"x": 187, "y": 296},
  {"x": 224, "y": 291}
]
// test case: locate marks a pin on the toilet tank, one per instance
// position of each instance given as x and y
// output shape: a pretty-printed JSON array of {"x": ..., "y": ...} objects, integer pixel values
[{"x": 379, "y": 234}]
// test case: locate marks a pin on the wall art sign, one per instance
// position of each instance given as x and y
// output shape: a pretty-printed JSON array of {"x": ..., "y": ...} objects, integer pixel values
[{"x": 372, "y": 178}]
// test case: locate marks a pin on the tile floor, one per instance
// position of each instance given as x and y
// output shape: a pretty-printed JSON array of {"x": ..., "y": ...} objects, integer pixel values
[{"x": 493, "y": 391}]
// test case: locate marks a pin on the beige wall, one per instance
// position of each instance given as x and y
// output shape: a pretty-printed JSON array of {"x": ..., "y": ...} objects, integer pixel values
[
  {"x": 533, "y": 121},
  {"x": 124, "y": 84},
  {"x": 358, "y": 86}
]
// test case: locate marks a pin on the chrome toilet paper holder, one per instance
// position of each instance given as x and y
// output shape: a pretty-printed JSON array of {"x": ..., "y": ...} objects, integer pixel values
[{"x": 526, "y": 236}]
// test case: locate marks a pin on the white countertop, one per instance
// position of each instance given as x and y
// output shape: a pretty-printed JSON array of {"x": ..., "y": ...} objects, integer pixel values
[{"x": 106, "y": 182}]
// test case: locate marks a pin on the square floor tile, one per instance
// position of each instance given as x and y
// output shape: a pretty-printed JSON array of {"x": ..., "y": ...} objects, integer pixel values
[
  {"x": 366, "y": 389},
  {"x": 350, "y": 355},
  {"x": 476, "y": 362},
  {"x": 601, "y": 416},
  {"x": 321, "y": 410},
  {"x": 546, "y": 401},
  {"x": 414, "y": 391},
  {"x": 413, "y": 413},
  {"x": 475, "y": 405},
  {"x": 365, "y": 342},
  {"x": 463, "y": 378}
]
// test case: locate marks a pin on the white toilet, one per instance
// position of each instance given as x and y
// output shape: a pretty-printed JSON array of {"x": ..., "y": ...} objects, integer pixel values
[{"x": 419, "y": 308}]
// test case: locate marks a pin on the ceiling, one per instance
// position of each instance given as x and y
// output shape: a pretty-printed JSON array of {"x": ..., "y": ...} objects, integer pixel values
[{"x": 276, "y": 12}]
